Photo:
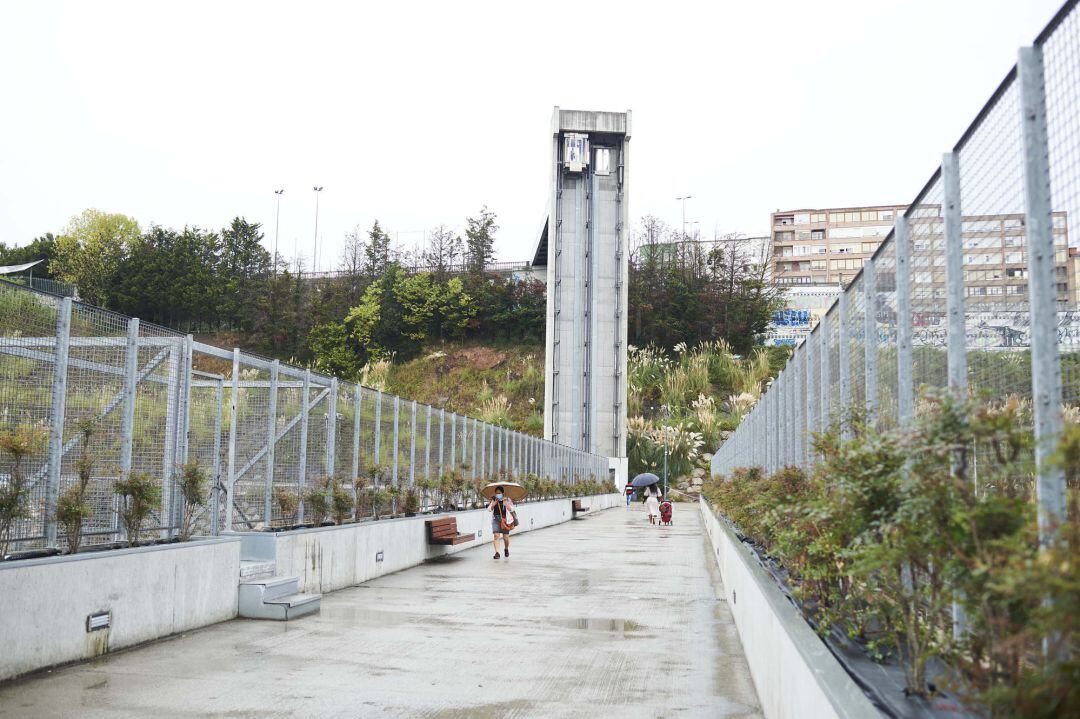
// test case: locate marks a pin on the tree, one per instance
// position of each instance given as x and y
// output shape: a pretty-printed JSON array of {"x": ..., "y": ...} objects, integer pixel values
[
  {"x": 377, "y": 256},
  {"x": 378, "y": 322},
  {"x": 443, "y": 252},
  {"x": 91, "y": 249},
  {"x": 243, "y": 271},
  {"x": 480, "y": 241}
]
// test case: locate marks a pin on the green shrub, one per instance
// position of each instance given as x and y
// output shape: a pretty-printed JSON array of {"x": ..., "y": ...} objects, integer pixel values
[
  {"x": 139, "y": 495},
  {"x": 890, "y": 529},
  {"x": 72, "y": 509},
  {"x": 16, "y": 446},
  {"x": 287, "y": 503},
  {"x": 194, "y": 488}
]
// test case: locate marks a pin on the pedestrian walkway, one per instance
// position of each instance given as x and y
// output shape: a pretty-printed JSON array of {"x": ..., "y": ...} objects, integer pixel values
[{"x": 608, "y": 616}]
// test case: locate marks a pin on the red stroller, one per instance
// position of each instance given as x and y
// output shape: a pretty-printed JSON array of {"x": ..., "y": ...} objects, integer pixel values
[{"x": 665, "y": 512}]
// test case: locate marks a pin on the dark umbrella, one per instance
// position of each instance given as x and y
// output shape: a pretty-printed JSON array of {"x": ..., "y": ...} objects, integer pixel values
[{"x": 644, "y": 480}]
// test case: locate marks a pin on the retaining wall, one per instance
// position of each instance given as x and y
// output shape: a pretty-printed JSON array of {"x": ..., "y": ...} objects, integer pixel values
[
  {"x": 330, "y": 558},
  {"x": 151, "y": 592},
  {"x": 795, "y": 674}
]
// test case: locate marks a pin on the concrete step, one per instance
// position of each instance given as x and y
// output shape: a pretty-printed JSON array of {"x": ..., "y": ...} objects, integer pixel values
[
  {"x": 275, "y": 598},
  {"x": 256, "y": 569}
]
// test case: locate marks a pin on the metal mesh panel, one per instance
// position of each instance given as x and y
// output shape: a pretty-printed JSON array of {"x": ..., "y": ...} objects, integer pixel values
[
  {"x": 27, "y": 363},
  {"x": 856, "y": 320},
  {"x": 928, "y": 342},
  {"x": 1061, "y": 59},
  {"x": 995, "y": 253},
  {"x": 885, "y": 322}
]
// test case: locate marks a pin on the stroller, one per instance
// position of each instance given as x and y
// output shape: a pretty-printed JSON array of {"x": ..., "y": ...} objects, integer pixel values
[{"x": 665, "y": 512}]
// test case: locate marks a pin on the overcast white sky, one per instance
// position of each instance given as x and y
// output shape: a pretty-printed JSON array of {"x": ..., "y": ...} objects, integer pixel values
[{"x": 419, "y": 113}]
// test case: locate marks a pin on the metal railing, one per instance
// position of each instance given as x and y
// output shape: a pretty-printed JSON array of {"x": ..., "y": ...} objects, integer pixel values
[
  {"x": 154, "y": 400},
  {"x": 924, "y": 314}
]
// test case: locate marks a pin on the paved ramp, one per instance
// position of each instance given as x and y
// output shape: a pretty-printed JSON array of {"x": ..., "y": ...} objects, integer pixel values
[{"x": 608, "y": 616}]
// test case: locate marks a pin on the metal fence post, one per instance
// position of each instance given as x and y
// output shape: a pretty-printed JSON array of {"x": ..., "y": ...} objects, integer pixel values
[
  {"x": 127, "y": 420},
  {"x": 427, "y": 446},
  {"x": 168, "y": 459},
  {"x": 811, "y": 395},
  {"x": 378, "y": 431},
  {"x": 870, "y": 340},
  {"x": 905, "y": 388},
  {"x": 271, "y": 442},
  {"x": 442, "y": 440},
  {"x": 774, "y": 410},
  {"x": 844, "y": 345},
  {"x": 826, "y": 380},
  {"x": 397, "y": 453},
  {"x": 234, "y": 412},
  {"x": 412, "y": 447},
  {"x": 331, "y": 429},
  {"x": 305, "y": 395},
  {"x": 475, "y": 456},
  {"x": 215, "y": 492},
  {"x": 954, "y": 306},
  {"x": 453, "y": 441},
  {"x": 57, "y": 417},
  {"x": 358, "y": 392},
  {"x": 1046, "y": 389},
  {"x": 954, "y": 274}
]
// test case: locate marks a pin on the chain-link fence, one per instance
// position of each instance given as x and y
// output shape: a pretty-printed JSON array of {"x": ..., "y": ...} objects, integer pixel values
[
  {"x": 85, "y": 388},
  {"x": 975, "y": 289}
]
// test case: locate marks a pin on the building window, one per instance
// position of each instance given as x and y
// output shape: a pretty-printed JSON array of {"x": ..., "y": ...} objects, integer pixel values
[
  {"x": 784, "y": 220},
  {"x": 817, "y": 234},
  {"x": 603, "y": 161}
]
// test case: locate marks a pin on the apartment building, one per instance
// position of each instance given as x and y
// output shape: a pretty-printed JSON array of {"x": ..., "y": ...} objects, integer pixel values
[
  {"x": 815, "y": 251},
  {"x": 827, "y": 246}
]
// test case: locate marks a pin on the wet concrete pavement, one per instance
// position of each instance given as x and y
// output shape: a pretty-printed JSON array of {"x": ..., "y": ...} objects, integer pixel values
[{"x": 607, "y": 616}]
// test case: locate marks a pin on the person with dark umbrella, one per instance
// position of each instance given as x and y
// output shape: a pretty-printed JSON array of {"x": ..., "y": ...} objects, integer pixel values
[{"x": 648, "y": 481}]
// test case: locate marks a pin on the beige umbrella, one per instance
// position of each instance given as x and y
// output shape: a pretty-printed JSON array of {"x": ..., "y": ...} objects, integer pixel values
[{"x": 513, "y": 490}]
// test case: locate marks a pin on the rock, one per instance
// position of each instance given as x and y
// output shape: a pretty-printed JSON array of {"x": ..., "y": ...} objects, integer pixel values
[
  {"x": 698, "y": 482},
  {"x": 707, "y": 457},
  {"x": 698, "y": 472}
]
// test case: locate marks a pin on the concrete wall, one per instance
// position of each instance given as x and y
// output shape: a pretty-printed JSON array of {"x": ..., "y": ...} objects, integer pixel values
[
  {"x": 156, "y": 591},
  {"x": 794, "y": 672},
  {"x": 151, "y": 592},
  {"x": 330, "y": 558}
]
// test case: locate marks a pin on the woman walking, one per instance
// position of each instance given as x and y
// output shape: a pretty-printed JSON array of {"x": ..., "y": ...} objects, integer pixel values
[
  {"x": 501, "y": 508},
  {"x": 652, "y": 502}
]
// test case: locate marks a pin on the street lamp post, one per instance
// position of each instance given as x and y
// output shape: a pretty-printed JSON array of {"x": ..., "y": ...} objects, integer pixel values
[
  {"x": 683, "y": 200},
  {"x": 315, "y": 253},
  {"x": 277, "y": 225}
]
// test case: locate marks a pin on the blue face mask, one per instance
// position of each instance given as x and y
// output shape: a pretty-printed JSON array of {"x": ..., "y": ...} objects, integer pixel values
[{"x": 498, "y": 495}]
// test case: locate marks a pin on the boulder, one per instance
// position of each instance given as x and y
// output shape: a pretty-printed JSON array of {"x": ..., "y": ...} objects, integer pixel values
[{"x": 698, "y": 472}]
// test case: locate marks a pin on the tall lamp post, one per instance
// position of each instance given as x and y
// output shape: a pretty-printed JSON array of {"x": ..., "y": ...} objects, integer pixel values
[
  {"x": 277, "y": 224},
  {"x": 683, "y": 199},
  {"x": 666, "y": 411},
  {"x": 315, "y": 254}
]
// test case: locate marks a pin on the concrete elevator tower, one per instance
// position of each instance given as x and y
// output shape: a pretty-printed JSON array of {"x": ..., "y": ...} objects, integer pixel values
[{"x": 583, "y": 246}]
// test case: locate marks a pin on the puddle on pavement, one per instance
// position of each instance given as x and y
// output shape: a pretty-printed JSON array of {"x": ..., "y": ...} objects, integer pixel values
[{"x": 598, "y": 625}]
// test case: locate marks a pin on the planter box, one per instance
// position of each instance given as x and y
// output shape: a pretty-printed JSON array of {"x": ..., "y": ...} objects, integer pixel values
[
  {"x": 794, "y": 673},
  {"x": 148, "y": 593},
  {"x": 330, "y": 558}
]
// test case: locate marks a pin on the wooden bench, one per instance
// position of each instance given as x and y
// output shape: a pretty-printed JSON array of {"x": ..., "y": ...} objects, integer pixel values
[
  {"x": 444, "y": 531},
  {"x": 577, "y": 509}
]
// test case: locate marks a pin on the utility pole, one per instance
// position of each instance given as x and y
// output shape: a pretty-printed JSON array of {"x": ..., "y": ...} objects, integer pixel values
[
  {"x": 315, "y": 254},
  {"x": 683, "y": 200},
  {"x": 277, "y": 225}
]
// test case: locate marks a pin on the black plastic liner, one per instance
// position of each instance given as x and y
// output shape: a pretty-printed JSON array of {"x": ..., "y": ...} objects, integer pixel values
[{"x": 882, "y": 682}]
